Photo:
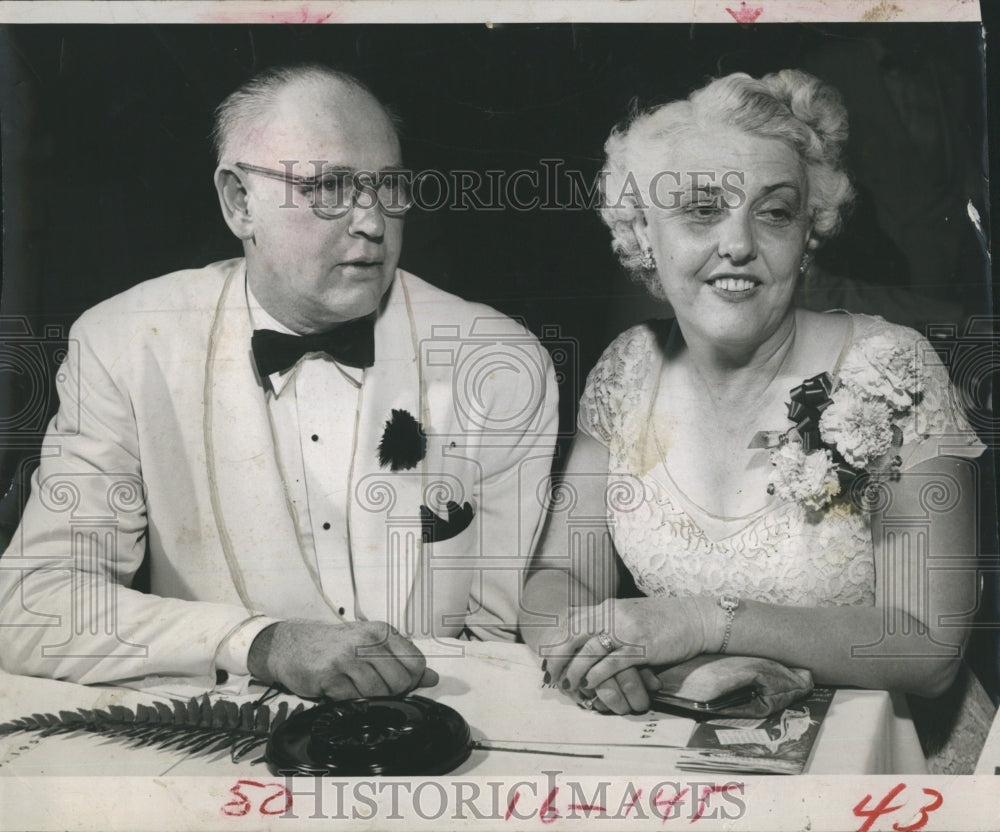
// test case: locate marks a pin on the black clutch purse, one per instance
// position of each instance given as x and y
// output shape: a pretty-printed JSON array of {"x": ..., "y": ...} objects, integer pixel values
[{"x": 738, "y": 686}]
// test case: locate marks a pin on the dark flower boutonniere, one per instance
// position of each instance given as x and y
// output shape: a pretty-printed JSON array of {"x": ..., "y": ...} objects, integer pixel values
[{"x": 403, "y": 443}]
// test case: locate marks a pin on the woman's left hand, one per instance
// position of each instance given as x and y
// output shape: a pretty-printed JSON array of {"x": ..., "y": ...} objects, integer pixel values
[
  {"x": 642, "y": 631},
  {"x": 624, "y": 693}
]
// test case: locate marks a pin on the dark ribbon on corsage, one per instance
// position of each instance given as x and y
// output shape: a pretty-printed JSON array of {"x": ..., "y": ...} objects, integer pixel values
[{"x": 808, "y": 401}]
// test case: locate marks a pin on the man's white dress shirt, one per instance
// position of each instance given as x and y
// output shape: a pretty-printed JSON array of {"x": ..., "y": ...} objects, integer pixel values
[{"x": 313, "y": 412}]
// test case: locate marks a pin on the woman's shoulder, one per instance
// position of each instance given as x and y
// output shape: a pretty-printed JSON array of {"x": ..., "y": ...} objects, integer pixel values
[
  {"x": 631, "y": 354},
  {"x": 899, "y": 367},
  {"x": 850, "y": 328},
  {"x": 878, "y": 345},
  {"x": 867, "y": 326},
  {"x": 862, "y": 326},
  {"x": 852, "y": 337},
  {"x": 648, "y": 333},
  {"x": 620, "y": 375}
]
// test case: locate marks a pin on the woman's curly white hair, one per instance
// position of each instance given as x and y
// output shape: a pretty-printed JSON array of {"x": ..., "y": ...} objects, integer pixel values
[{"x": 790, "y": 105}]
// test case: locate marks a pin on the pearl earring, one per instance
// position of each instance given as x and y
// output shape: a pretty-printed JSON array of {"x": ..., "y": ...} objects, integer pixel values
[
  {"x": 804, "y": 265},
  {"x": 646, "y": 260}
]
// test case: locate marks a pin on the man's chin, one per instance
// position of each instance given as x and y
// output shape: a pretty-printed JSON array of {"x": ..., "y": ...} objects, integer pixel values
[{"x": 356, "y": 301}]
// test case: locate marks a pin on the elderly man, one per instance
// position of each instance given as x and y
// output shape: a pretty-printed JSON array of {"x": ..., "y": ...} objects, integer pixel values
[{"x": 320, "y": 453}]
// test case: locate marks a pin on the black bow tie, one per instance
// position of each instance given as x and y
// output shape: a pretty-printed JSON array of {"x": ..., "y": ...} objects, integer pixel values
[{"x": 351, "y": 344}]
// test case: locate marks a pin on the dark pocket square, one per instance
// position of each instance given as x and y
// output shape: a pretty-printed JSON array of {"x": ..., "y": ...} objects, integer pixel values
[{"x": 434, "y": 529}]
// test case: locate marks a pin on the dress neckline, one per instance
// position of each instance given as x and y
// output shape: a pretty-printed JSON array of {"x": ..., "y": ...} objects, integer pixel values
[{"x": 772, "y": 502}]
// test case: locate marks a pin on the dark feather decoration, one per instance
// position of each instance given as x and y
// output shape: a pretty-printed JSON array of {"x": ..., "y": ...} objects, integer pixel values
[
  {"x": 404, "y": 442},
  {"x": 197, "y": 726}
]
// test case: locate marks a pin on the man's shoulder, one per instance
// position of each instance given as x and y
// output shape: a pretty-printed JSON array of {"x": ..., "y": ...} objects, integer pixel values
[
  {"x": 434, "y": 309},
  {"x": 171, "y": 296}
]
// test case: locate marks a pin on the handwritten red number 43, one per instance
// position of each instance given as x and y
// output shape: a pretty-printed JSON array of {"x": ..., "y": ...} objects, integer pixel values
[
  {"x": 241, "y": 804},
  {"x": 883, "y": 808}
]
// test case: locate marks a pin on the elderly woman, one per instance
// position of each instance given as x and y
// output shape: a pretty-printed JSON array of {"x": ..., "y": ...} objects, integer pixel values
[{"x": 750, "y": 457}]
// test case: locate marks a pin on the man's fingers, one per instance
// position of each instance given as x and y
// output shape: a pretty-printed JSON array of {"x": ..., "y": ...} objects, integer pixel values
[
  {"x": 396, "y": 647},
  {"x": 368, "y": 681},
  {"x": 408, "y": 655},
  {"x": 339, "y": 686},
  {"x": 396, "y": 677}
]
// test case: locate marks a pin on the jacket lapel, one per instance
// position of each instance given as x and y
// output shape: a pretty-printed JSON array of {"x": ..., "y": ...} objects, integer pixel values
[
  {"x": 391, "y": 567},
  {"x": 252, "y": 512},
  {"x": 384, "y": 513},
  {"x": 396, "y": 576}
]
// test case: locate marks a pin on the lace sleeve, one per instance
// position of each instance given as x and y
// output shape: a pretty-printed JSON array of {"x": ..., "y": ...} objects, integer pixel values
[
  {"x": 935, "y": 424},
  {"x": 613, "y": 382}
]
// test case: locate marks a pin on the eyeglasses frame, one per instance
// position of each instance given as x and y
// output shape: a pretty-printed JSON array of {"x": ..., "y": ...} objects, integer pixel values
[{"x": 361, "y": 180}]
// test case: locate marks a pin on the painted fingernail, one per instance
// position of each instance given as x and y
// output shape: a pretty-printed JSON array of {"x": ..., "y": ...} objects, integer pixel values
[
  {"x": 547, "y": 677},
  {"x": 588, "y": 693},
  {"x": 565, "y": 684},
  {"x": 545, "y": 664}
]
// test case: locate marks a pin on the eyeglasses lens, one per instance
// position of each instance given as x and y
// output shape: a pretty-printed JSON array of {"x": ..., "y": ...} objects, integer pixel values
[{"x": 336, "y": 192}]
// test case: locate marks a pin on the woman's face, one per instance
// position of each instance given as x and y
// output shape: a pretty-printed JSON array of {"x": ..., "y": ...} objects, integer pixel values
[{"x": 728, "y": 226}]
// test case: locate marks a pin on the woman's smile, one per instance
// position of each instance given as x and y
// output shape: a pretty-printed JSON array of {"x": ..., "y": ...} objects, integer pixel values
[{"x": 734, "y": 287}]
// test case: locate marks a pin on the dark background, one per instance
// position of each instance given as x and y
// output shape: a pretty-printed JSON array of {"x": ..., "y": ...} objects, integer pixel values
[{"x": 107, "y": 169}]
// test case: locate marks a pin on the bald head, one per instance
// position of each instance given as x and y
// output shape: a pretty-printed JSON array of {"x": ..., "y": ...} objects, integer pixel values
[
  {"x": 264, "y": 99},
  {"x": 309, "y": 269}
]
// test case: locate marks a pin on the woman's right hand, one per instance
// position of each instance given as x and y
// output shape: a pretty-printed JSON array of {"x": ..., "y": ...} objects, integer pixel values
[
  {"x": 619, "y": 634},
  {"x": 625, "y": 692}
]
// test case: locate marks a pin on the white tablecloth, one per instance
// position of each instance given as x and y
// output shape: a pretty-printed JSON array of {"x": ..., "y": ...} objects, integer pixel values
[{"x": 497, "y": 688}]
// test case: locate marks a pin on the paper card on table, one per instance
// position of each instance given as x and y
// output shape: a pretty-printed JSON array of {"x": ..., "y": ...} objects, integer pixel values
[{"x": 503, "y": 715}]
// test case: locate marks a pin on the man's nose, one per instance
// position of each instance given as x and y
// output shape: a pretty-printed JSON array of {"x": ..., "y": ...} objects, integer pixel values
[
  {"x": 737, "y": 237},
  {"x": 366, "y": 217}
]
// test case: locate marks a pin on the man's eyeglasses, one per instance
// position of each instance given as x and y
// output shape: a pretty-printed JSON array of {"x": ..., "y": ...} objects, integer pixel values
[{"x": 334, "y": 192}]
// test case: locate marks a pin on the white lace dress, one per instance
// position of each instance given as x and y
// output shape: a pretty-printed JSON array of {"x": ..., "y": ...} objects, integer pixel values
[{"x": 781, "y": 553}]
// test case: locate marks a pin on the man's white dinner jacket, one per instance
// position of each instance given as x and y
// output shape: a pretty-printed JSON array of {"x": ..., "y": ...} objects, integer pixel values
[{"x": 163, "y": 441}]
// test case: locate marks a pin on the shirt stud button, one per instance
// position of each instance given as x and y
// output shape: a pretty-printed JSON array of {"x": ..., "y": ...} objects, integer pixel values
[
  {"x": 326, "y": 525},
  {"x": 315, "y": 438}
]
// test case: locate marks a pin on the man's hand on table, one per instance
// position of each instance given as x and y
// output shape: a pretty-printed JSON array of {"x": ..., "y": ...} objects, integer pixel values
[{"x": 339, "y": 661}]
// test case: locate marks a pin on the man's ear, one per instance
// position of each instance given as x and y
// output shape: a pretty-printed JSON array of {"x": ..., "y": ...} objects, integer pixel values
[{"x": 234, "y": 201}]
